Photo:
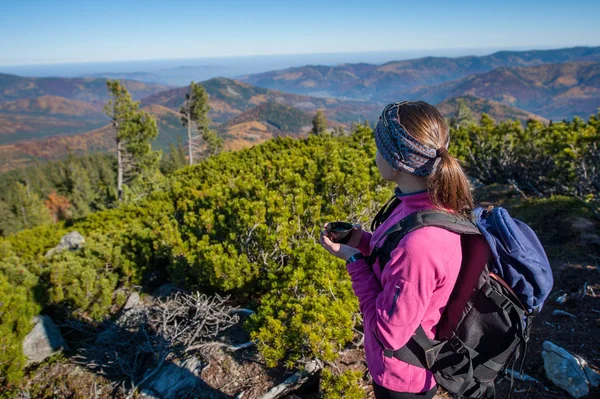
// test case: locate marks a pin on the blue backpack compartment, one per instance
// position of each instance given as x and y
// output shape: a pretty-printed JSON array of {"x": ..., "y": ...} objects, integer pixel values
[{"x": 519, "y": 258}]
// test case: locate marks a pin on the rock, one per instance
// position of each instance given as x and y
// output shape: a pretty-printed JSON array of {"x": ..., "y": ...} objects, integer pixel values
[
  {"x": 592, "y": 377},
  {"x": 132, "y": 302},
  {"x": 567, "y": 371},
  {"x": 582, "y": 225},
  {"x": 43, "y": 341},
  {"x": 174, "y": 379},
  {"x": 585, "y": 228},
  {"x": 70, "y": 241},
  {"x": 130, "y": 309}
]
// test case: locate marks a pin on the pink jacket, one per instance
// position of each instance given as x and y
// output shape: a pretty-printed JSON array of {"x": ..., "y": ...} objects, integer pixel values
[{"x": 413, "y": 289}]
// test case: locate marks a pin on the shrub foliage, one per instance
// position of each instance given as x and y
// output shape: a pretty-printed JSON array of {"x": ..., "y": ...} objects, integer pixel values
[{"x": 247, "y": 223}]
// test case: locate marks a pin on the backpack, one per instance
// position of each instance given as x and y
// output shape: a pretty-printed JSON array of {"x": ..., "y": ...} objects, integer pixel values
[{"x": 504, "y": 279}]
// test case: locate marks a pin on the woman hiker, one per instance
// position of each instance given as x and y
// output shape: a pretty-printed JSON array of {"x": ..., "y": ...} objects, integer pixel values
[{"x": 413, "y": 288}]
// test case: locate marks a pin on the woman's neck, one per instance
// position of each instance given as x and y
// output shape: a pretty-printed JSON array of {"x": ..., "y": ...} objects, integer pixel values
[{"x": 410, "y": 183}]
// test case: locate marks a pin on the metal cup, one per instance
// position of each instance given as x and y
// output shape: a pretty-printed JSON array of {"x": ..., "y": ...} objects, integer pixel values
[{"x": 339, "y": 232}]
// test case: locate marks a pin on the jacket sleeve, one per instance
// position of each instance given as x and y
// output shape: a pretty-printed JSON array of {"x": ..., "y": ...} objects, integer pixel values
[{"x": 394, "y": 309}]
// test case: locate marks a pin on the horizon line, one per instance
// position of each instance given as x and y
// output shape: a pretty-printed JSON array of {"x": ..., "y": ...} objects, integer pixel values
[{"x": 493, "y": 49}]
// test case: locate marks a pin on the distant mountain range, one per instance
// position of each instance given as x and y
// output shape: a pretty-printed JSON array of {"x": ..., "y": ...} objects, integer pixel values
[
  {"x": 229, "y": 98},
  {"x": 14, "y": 87},
  {"x": 40, "y": 117},
  {"x": 554, "y": 91},
  {"x": 383, "y": 82}
]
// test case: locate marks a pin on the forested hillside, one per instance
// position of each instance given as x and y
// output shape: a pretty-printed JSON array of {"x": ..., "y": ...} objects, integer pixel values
[
  {"x": 48, "y": 128},
  {"x": 23, "y": 153},
  {"x": 247, "y": 223},
  {"x": 476, "y": 106}
]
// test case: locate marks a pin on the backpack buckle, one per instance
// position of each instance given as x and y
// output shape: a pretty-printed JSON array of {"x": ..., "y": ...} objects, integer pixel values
[
  {"x": 457, "y": 345},
  {"x": 499, "y": 299}
]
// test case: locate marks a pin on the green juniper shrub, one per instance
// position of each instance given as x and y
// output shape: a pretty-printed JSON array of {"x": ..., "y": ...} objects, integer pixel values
[{"x": 346, "y": 385}]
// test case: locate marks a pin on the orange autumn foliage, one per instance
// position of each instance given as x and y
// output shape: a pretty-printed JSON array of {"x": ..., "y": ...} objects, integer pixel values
[{"x": 58, "y": 206}]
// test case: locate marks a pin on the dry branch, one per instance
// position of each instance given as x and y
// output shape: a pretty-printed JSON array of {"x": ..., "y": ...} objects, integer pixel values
[
  {"x": 134, "y": 347},
  {"x": 294, "y": 381}
]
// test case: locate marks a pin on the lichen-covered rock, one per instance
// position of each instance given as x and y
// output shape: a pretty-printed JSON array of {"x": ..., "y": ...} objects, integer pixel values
[
  {"x": 567, "y": 371},
  {"x": 70, "y": 241},
  {"x": 43, "y": 341}
]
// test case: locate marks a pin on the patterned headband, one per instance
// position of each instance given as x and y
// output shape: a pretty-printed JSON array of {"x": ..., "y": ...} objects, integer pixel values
[{"x": 400, "y": 149}]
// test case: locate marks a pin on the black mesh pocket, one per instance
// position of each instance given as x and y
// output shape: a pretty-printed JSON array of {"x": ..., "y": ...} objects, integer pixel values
[{"x": 484, "y": 341}]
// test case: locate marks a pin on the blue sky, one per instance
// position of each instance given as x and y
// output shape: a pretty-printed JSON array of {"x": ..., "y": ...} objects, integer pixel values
[{"x": 57, "y": 31}]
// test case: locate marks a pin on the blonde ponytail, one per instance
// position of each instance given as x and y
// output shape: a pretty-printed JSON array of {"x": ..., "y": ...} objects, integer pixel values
[{"x": 449, "y": 187}]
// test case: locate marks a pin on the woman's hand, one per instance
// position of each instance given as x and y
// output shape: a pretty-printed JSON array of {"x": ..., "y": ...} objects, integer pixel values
[
  {"x": 342, "y": 251},
  {"x": 355, "y": 236}
]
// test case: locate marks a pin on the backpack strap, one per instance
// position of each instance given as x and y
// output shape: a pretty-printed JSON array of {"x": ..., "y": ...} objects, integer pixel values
[
  {"x": 414, "y": 221},
  {"x": 420, "y": 351},
  {"x": 385, "y": 212}
]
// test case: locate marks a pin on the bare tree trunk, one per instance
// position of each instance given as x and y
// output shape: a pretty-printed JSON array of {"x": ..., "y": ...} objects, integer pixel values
[
  {"x": 189, "y": 104},
  {"x": 120, "y": 168},
  {"x": 189, "y": 126}
]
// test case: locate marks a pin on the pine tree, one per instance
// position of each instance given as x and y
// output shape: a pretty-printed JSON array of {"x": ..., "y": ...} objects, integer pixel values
[
  {"x": 8, "y": 223},
  {"x": 180, "y": 155},
  {"x": 175, "y": 160},
  {"x": 169, "y": 164},
  {"x": 28, "y": 208},
  {"x": 339, "y": 131},
  {"x": 194, "y": 116},
  {"x": 319, "y": 123},
  {"x": 78, "y": 187},
  {"x": 463, "y": 115},
  {"x": 214, "y": 143},
  {"x": 134, "y": 129}
]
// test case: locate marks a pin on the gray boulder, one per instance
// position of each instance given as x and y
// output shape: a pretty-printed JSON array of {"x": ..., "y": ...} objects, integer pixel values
[
  {"x": 43, "y": 341},
  {"x": 569, "y": 372},
  {"x": 174, "y": 379},
  {"x": 130, "y": 310},
  {"x": 70, "y": 241},
  {"x": 133, "y": 301},
  {"x": 129, "y": 314},
  {"x": 586, "y": 228}
]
